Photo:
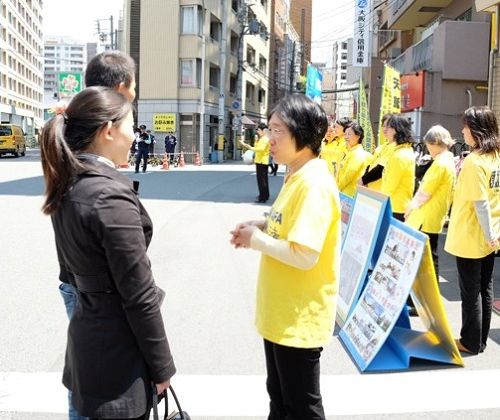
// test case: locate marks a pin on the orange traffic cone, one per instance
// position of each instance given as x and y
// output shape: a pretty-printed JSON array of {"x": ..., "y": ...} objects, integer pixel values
[
  {"x": 123, "y": 165},
  {"x": 165, "y": 164},
  {"x": 181, "y": 160},
  {"x": 197, "y": 160}
]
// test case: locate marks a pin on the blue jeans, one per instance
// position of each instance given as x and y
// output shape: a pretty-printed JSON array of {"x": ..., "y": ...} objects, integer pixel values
[{"x": 70, "y": 297}]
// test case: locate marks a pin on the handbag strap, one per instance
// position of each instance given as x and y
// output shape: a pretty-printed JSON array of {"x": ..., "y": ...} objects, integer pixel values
[{"x": 165, "y": 395}]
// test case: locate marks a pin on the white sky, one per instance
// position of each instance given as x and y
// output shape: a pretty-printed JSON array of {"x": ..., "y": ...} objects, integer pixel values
[{"x": 75, "y": 19}]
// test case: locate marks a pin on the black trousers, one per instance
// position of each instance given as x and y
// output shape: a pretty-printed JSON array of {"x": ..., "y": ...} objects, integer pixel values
[
  {"x": 476, "y": 291},
  {"x": 433, "y": 241},
  {"x": 262, "y": 181},
  {"x": 142, "y": 153},
  {"x": 293, "y": 382}
]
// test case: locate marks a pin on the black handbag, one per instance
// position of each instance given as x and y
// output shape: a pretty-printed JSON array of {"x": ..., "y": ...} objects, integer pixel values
[{"x": 174, "y": 415}]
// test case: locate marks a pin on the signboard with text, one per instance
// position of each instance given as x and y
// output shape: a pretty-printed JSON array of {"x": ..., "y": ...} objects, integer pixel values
[
  {"x": 165, "y": 123},
  {"x": 361, "y": 47},
  {"x": 68, "y": 84}
]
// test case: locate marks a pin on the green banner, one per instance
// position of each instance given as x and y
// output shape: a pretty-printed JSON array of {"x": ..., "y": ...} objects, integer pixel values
[
  {"x": 69, "y": 84},
  {"x": 364, "y": 119}
]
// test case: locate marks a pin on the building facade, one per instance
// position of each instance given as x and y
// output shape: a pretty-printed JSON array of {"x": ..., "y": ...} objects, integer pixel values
[
  {"x": 178, "y": 47},
  {"x": 301, "y": 18},
  {"x": 442, "y": 52},
  {"x": 21, "y": 64}
]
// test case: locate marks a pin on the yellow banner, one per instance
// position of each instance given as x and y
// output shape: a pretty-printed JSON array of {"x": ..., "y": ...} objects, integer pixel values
[
  {"x": 164, "y": 123},
  {"x": 391, "y": 97},
  {"x": 364, "y": 119}
]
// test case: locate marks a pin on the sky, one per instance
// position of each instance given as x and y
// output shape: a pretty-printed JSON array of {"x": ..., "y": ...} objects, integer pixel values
[{"x": 332, "y": 21}]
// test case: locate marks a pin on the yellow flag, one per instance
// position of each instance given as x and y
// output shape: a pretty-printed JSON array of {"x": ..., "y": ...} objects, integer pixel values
[
  {"x": 364, "y": 119},
  {"x": 391, "y": 96}
]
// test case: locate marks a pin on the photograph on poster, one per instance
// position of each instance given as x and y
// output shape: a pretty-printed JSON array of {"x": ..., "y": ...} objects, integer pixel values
[
  {"x": 346, "y": 206},
  {"x": 385, "y": 294}
]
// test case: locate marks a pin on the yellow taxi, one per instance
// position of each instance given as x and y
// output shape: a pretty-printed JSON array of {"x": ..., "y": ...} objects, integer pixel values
[{"x": 12, "y": 140}]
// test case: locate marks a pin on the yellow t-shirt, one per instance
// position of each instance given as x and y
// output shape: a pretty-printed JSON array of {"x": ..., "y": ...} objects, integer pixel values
[
  {"x": 438, "y": 182},
  {"x": 261, "y": 149},
  {"x": 478, "y": 180},
  {"x": 380, "y": 157},
  {"x": 295, "y": 307},
  {"x": 352, "y": 168},
  {"x": 333, "y": 152},
  {"x": 398, "y": 178}
]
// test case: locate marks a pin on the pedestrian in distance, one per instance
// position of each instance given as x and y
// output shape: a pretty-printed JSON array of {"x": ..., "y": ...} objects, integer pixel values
[
  {"x": 142, "y": 145},
  {"x": 429, "y": 207},
  {"x": 117, "y": 346},
  {"x": 116, "y": 70},
  {"x": 170, "y": 143},
  {"x": 152, "y": 144},
  {"x": 299, "y": 270},
  {"x": 355, "y": 161},
  {"x": 474, "y": 227},
  {"x": 261, "y": 149}
]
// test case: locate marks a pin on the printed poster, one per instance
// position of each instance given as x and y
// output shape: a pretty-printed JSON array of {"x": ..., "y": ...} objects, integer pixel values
[{"x": 385, "y": 294}]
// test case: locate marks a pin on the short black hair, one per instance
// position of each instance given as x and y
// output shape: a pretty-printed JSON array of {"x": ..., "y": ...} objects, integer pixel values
[
  {"x": 402, "y": 126},
  {"x": 358, "y": 130},
  {"x": 344, "y": 122},
  {"x": 306, "y": 120},
  {"x": 110, "y": 68},
  {"x": 261, "y": 126}
]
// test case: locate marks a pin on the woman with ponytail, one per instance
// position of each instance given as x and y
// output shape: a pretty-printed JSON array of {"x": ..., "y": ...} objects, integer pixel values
[{"x": 117, "y": 347}]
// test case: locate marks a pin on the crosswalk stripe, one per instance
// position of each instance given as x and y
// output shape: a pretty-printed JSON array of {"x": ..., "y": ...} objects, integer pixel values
[{"x": 234, "y": 395}]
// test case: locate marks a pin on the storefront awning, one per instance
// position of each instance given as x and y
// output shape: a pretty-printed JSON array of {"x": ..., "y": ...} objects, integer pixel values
[{"x": 247, "y": 121}]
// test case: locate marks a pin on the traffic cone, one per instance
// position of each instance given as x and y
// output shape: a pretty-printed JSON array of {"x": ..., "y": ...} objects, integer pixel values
[
  {"x": 165, "y": 164},
  {"x": 197, "y": 160},
  {"x": 181, "y": 160},
  {"x": 123, "y": 165}
]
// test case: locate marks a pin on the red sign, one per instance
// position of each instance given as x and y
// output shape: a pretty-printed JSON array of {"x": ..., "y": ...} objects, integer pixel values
[{"x": 412, "y": 91}]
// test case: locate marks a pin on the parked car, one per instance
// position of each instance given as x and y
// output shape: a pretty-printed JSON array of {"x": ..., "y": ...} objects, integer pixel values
[{"x": 12, "y": 140}]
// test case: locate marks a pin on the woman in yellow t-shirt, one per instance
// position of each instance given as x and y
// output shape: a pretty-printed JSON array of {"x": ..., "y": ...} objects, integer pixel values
[
  {"x": 299, "y": 270},
  {"x": 474, "y": 228},
  {"x": 333, "y": 148},
  {"x": 354, "y": 164},
  {"x": 261, "y": 149},
  {"x": 398, "y": 177},
  {"x": 373, "y": 176},
  {"x": 428, "y": 209}
]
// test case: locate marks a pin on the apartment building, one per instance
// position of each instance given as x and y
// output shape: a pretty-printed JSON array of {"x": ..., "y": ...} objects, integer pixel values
[
  {"x": 284, "y": 54},
  {"x": 177, "y": 48},
  {"x": 21, "y": 65},
  {"x": 301, "y": 18},
  {"x": 61, "y": 55},
  {"x": 442, "y": 51}
]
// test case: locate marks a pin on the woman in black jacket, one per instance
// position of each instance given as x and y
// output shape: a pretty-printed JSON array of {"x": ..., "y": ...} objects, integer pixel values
[{"x": 117, "y": 348}]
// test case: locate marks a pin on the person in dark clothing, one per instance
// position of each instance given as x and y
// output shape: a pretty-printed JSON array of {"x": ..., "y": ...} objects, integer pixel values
[
  {"x": 143, "y": 142},
  {"x": 170, "y": 143},
  {"x": 152, "y": 144},
  {"x": 117, "y": 345}
]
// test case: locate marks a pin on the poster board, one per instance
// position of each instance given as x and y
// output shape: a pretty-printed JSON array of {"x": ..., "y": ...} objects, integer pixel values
[
  {"x": 346, "y": 206},
  {"x": 369, "y": 210},
  {"x": 377, "y": 333}
]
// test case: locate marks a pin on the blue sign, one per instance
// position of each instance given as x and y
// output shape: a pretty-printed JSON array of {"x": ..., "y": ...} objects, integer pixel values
[{"x": 313, "y": 84}]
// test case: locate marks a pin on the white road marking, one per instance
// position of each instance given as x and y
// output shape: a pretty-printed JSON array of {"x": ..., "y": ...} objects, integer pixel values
[{"x": 234, "y": 396}]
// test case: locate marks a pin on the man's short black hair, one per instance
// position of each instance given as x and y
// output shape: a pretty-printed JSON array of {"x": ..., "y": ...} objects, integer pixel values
[
  {"x": 110, "y": 68},
  {"x": 142, "y": 127},
  {"x": 305, "y": 119}
]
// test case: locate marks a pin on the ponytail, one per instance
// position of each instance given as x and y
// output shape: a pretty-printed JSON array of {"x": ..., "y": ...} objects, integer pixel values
[{"x": 58, "y": 163}]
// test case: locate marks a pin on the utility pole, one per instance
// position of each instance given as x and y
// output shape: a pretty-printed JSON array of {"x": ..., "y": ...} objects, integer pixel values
[
  {"x": 237, "y": 105},
  {"x": 222, "y": 83},
  {"x": 202, "y": 86}
]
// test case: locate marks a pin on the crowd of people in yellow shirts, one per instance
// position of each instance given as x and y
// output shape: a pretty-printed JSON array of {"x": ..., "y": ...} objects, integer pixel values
[{"x": 474, "y": 223}]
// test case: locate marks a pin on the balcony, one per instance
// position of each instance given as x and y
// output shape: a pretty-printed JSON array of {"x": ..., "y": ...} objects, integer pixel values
[
  {"x": 458, "y": 50},
  {"x": 408, "y": 14}
]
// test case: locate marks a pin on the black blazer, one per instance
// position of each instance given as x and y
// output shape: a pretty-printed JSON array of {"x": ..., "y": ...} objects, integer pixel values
[{"x": 116, "y": 343}]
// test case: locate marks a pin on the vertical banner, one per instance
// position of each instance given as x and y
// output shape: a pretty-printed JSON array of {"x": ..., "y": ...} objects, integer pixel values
[
  {"x": 313, "y": 83},
  {"x": 361, "y": 47},
  {"x": 391, "y": 96},
  {"x": 364, "y": 119}
]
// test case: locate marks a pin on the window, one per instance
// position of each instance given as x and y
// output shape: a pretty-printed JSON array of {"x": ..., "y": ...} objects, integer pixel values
[
  {"x": 344, "y": 45},
  {"x": 191, "y": 20},
  {"x": 190, "y": 72},
  {"x": 250, "y": 55},
  {"x": 466, "y": 16},
  {"x": 234, "y": 43},
  {"x": 234, "y": 5},
  {"x": 232, "y": 84},
  {"x": 262, "y": 96},
  {"x": 215, "y": 28},
  {"x": 343, "y": 56},
  {"x": 250, "y": 92},
  {"x": 262, "y": 64},
  {"x": 214, "y": 76},
  {"x": 343, "y": 66},
  {"x": 343, "y": 76}
]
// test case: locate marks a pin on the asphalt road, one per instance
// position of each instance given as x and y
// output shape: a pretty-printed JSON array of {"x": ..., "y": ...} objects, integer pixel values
[{"x": 208, "y": 310}]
